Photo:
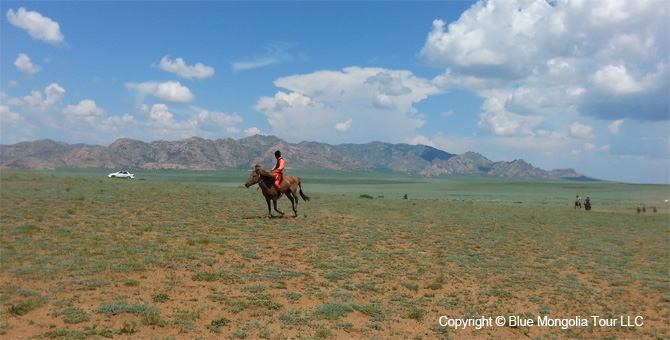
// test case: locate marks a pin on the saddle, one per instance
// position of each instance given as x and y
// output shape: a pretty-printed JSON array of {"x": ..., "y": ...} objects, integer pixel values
[{"x": 266, "y": 173}]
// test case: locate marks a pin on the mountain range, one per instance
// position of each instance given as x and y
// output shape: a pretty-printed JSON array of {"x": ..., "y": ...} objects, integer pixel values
[{"x": 202, "y": 154}]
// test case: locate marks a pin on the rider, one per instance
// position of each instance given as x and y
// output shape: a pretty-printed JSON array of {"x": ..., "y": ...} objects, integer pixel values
[{"x": 278, "y": 171}]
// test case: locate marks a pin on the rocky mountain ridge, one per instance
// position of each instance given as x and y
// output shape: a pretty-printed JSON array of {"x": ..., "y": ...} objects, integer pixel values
[{"x": 202, "y": 154}]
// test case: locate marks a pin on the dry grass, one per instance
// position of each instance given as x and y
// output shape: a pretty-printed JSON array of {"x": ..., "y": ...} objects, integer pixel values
[{"x": 91, "y": 258}]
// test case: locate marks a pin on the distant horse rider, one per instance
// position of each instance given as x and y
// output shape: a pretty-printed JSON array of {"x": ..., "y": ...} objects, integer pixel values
[{"x": 278, "y": 172}]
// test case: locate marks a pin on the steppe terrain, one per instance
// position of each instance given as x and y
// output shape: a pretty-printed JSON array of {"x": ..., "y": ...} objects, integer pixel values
[{"x": 190, "y": 255}]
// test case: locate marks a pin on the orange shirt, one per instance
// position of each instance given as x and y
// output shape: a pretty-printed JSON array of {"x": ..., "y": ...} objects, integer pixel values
[{"x": 280, "y": 165}]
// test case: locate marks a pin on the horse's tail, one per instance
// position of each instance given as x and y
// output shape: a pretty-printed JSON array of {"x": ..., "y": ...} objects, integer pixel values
[{"x": 302, "y": 194}]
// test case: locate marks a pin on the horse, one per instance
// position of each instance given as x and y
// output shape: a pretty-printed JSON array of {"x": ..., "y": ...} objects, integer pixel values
[
  {"x": 578, "y": 204},
  {"x": 289, "y": 185},
  {"x": 587, "y": 205}
]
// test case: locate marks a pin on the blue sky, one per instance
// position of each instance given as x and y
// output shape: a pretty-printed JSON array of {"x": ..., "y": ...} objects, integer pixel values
[{"x": 579, "y": 84}]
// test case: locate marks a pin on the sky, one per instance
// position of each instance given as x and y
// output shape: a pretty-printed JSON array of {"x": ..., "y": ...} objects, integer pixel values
[{"x": 578, "y": 84}]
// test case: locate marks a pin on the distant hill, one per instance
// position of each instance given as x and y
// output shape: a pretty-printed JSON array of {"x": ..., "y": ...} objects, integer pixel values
[
  {"x": 203, "y": 154},
  {"x": 472, "y": 163}
]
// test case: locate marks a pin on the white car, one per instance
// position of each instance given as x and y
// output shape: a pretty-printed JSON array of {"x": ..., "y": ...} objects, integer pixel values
[{"x": 121, "y": 174}]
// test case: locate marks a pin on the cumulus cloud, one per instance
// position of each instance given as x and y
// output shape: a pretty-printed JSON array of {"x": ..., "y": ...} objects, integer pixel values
[
  {"x": 581, "y": 131},
  {"x": 421, "y": 140},
  {"x": 252, "y": 131},
  {"x": 24, "y": 64},
  {"x": 506, "y": 123},
  {"x": 163, "y": 123},
  {"x": 42, "y": 114},
  {"x": 500, "y": 121},
  {"x": 38, "y": 26},
  {"x": 616, "y": 80},
  {"x": 9, "y": 117},
  {"x": 43, "y": 102},
  {"x": 170, "y": 91},
  {"x": 614, "y": 126},
  {"x": 179, "y": 67},
  {"x": 212, "y": 120},
  {"x": 344, "y": 126},
  {"x": 563, "y": 54},
  {"x": 85, "y": 107},
  {"x": 373, "y": 97},
  {"x": 161, "y": 115}
]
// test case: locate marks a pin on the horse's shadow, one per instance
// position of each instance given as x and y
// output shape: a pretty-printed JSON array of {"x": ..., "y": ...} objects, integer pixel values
[
  {"x": 278, "y": 216},
  {"x": 266, "y": 217}
]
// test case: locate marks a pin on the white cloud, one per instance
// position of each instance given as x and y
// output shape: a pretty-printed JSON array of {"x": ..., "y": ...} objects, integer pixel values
[
  {"x": 593, "y": 148},
  {"x": 344, "y": 126},
  {"x": 421, "y": 140},
  {"x": 37, "y": 102},
  {"x": 283, "y": 100},
  {"x": 162, "y": 116},
  {"x": 252, "y": 64},
  {"x": 252, "y": 131},
  {"x": 581, "y": 131},
  {"x": 170, "y": 91},
  {"x": 542, "y": 66},
  {"x": 163, "y": 123},
  {"x": 590, "y": 147},
  {"x": 499, "y": 37},
  {"x": 373, "y": 97},
  {"x": 179, "y": 67},
  {"x": 212, "y": 120},
  {"x": 276, "y": 53},
  {"x": 616, "y": 80},
  {"x": 563, "y": 54},
  {"x": 24, "y": 64},
  {"x": 9, "y": 117},
  {"x": 174, "y": 92},
  {"x": 498, "y": 120},
  {"x": 37, "y": 25},
  {"x": 615, "y": 126},
  {"x": 506, "y": 123},
  {"x": 85, "y": 107}
]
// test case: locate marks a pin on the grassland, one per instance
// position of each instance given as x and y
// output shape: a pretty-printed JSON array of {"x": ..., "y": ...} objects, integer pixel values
[{"x": 185, "y": 255}]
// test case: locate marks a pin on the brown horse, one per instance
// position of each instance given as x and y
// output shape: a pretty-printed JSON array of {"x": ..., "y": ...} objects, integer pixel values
[{"x": 290, "y": 186}]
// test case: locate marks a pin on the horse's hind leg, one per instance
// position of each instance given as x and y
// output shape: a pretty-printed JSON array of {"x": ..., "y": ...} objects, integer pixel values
[{"x": 294, "y": 201}]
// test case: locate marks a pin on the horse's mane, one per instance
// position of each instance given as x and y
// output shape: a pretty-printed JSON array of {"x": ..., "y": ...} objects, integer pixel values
[{"x": 263, "y": 172}]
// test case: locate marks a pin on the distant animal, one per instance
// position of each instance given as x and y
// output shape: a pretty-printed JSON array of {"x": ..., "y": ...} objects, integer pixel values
[
  {"x": 655, "y": 211},
  {"x": 578, "y": 204},
  {"x": 587, "y": 205},
  {"x": 290, "y": 186},
  {"x": 644, "y": 209},
  {"x": 638, "y": 210}
]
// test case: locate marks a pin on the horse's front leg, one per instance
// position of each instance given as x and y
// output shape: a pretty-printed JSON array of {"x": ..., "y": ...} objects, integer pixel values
[
  {"x": 274, "y": 201},
  {"x": 269, "y": 208}
]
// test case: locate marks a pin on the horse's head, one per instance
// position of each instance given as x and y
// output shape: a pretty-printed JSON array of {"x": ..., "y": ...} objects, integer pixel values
[{"x": 254, "y": 178}]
